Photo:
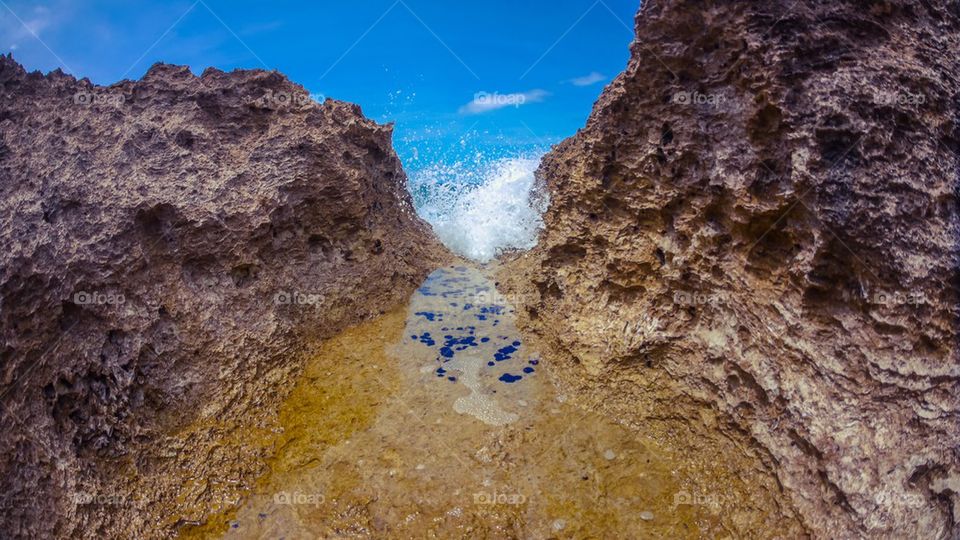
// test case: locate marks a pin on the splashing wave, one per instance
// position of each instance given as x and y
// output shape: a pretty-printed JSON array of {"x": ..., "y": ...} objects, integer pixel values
[{"x": 481, "y": 209}]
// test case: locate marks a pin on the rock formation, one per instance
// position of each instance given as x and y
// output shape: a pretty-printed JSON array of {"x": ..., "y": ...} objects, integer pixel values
[
  {"x": 170, "y": 249},
  {"x": 759, "y": 224}
]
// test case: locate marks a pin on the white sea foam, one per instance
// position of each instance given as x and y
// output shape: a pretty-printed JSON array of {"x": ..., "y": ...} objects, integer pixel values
[{"x": 480, "y": 209}]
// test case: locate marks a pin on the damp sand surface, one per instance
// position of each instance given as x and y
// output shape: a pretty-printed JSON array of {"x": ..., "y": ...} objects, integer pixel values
[{"x": 441, "y": 421}]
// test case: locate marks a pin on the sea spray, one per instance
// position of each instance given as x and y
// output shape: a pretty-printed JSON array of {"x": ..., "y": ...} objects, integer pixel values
[{"x": 481, "y": 209}]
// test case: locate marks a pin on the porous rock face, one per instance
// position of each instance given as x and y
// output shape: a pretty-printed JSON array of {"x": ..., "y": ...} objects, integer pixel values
[
  {"x": 759, "y": 223},
  {"x": 170, "y": 249}
]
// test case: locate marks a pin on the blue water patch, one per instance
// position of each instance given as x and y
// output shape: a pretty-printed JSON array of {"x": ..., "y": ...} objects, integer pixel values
[
  {"x": 458, "y": 307},
  {"x": 492, "y": 310},
  {"x": 426, "y": 339},
  {"x": 504, "y": 353}
]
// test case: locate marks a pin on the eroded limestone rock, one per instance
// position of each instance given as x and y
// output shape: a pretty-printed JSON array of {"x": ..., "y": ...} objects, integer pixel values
[
  {"x": 170, "y": 247},
  {"x": 760, "y": 220}
]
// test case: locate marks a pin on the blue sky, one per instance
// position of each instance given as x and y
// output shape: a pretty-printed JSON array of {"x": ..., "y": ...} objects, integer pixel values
[{"x": 419, "y": 63}]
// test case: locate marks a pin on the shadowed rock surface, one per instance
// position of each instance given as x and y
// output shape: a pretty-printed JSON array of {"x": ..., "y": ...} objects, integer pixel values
[
  {"x": 756, "y": 237},
  {"x": 170, "y": 250}
]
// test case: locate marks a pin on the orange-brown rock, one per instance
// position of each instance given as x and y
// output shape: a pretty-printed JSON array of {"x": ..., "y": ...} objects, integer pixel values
[
  {"x": 759, "y": 223},
  {"x": 169, "y": 248}
]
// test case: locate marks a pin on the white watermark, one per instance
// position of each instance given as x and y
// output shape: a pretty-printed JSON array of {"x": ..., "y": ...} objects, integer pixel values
[
  {"x": 81, "y": 498},
  {"x": 496, "y": 99},
  {"x": 899, "y": 298},
  {"x": 697, "y": 98},
  {"x": 88, "y": 99},
  {"x": 295, "y": 298},
  {"x": 290, "y": 100},
  {"x": 699, "y": 299},
  {"x": 84, "y": 298},
  {"x": 898, "y": 98},
  {"x": 912, "y": 500},
  {"x": 483, "y": 497},
  {"x": 297, "y": 497},
  {"x": 682, "y": 497}
]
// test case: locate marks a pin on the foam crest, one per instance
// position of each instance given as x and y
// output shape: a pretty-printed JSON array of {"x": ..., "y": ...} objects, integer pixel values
[{"x": 480, "y": 209}]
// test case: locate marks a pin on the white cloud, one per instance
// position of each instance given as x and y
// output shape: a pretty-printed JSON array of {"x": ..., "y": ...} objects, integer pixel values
[
  {"x": 593, "y": 78},
  {"x": 26, "y": 28},
  {"x": 485, "y": 101}
]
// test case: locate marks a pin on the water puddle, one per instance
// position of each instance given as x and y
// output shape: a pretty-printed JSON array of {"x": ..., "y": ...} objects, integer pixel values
[{"x": 441, "y": 421}]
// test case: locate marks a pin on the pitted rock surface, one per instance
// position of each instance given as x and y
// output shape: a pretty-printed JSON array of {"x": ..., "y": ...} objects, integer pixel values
[
  {"x": 170, "y": 248},
  {"x": 758, "y": 228}
]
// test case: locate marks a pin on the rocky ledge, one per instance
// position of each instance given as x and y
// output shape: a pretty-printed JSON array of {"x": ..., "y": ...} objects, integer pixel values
[
  {"x": 756, "y": 235},
  {"x": 171, "y": 248}
]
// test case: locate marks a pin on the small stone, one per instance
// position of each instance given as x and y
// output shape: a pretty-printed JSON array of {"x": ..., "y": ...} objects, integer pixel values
[
  {"x": 609, "y": 454},
  {"x": 421, "y": 467},
  {"x": 559, "y": 524},
  {"x": 646, "y": 515}
]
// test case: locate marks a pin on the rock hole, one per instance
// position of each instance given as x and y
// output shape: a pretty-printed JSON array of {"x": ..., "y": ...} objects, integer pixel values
[
  {"x": 243, "y": 275},
  {"x": 185, "y": 139},
  {"x": 666, "y": 135}
]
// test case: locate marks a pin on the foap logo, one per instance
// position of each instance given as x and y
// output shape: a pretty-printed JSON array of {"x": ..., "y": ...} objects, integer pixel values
[
  {"x": 683, "y": 497},
  {"x": 698, "y": 99},
  {"x": 899, "y": 298},
  {"x": 911, "y": 500},
  {"x": 685, "y": 298},
  {"x": 84, "y": 298},
  {"x": 497, "y": 298},
  {"x": 898, "y": 98},
  {"x": 482, "y": 497},
  {"x": 286, "y": 100},
  {"x": 297, "y": 497},
  {"x": 82, "y": 498},
  {"x": 89, "y": 99},
  {"x": 497, "y": 100},
  {"x": 296, "y": 298}
]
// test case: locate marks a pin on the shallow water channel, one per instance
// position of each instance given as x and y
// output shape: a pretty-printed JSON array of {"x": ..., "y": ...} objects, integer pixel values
[{"x": 442, "y": 421}]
